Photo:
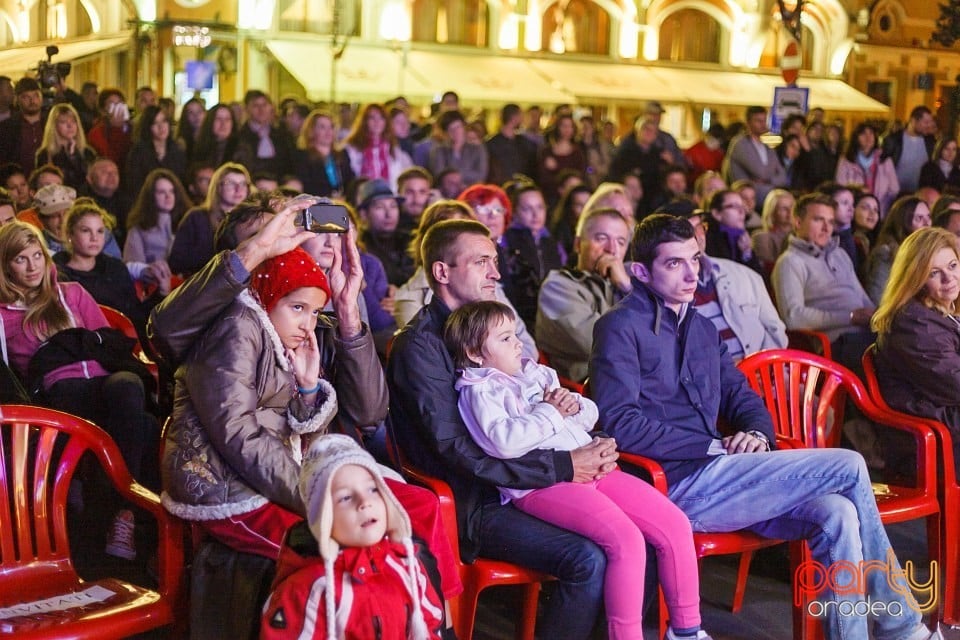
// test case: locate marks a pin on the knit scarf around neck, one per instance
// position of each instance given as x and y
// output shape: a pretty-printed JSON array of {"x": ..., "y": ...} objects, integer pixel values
[{"x": 375, "y": 158}]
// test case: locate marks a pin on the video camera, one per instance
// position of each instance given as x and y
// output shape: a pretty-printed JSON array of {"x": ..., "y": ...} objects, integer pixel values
[{"x": 50, "y": 74}]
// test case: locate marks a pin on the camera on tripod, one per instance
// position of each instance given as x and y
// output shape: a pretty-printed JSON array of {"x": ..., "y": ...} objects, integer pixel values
[{"x": 50, "y": 74}]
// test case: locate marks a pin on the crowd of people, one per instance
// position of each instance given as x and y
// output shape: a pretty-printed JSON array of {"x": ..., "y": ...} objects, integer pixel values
[{"x": 475, "y": 272}]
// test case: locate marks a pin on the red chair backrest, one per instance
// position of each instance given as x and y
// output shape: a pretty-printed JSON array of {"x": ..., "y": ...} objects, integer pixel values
[
  {"x": 804, "y": 393},
  {"x": 117, "y": 320},
  {"x": 39, "y": 452}
]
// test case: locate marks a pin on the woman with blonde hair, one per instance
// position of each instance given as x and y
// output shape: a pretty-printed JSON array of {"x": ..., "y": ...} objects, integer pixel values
[
  {"x": 323, "y": 170},
  {"x": 193, "y": 244},
  {"x": 65, "y": 145},
  {"x": 43, "y": 324},
  {"x": 918, "y": 332},
  {"x": 776, "y": 224}
]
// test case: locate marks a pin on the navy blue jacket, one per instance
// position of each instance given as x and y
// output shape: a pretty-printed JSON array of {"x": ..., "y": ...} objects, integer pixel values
[{"x": 660, "y": 386}]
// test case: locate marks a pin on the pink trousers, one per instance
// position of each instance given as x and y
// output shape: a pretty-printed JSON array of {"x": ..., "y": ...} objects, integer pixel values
[{"x": 620, "y": 512}]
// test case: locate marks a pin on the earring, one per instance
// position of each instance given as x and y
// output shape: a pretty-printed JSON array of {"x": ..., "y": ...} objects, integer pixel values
[{"x": 480, "y": 363}]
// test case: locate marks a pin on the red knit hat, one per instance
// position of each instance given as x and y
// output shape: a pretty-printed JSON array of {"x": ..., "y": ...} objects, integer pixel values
[{"x": 280, "y": 275}]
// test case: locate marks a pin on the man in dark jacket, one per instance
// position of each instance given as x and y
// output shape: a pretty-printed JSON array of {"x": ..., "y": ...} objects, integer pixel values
[
  {"x": 510, "y": 152},
  {"x": 460, "y": 263},
  {"x": 263, "y": 147},
  {"x": 641, "y": 150},
  {"x": 912, "y": 147},
  {"x": 22, "y": 133},
  {"x": 661, "y": 378}
]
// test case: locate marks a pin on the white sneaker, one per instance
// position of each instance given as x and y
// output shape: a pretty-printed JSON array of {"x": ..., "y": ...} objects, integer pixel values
[
  {"x": 923, "y": 633},
  {"x": 701, "y": 635},
  {"x": 120, "y": 542},
  {"x": 937, "y": 634}
]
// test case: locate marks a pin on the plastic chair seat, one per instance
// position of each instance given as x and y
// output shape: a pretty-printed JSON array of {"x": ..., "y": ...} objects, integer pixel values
[
  {"x": 744, "y": 543},
  {"x": 40, "y": 450},
  {"x": 721, "y": 544},
  {"x": 804, "y": 392},
  {"x": 482, "y": 573},
  {"x": 128, "y": 607}
]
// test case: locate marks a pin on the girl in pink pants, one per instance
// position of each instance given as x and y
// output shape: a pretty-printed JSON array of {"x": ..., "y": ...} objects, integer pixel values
[{"x": 512, "y": 406}]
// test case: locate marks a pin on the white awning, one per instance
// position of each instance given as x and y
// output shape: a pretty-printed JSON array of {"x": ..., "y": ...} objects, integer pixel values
[
  {"x": 362, "y": 73},
  {"x": 18, "y": 61},
  {"x": 634, "y": 82},
  {"x": 484, "y": 78}
]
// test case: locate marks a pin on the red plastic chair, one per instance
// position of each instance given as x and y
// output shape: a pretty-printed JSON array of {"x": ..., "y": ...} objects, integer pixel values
[
  {"x": 804, "y": 339},
  {"x": 39, "y": 453},
  {"x": 809, "y": 340},
  {"x": 566, "y": 383},
  {"x": 481, "y": 573},
  {"x": 119, "y": 321},
  {"x": 805, "y": 392},
  {"x": 716, "y": 544},
  {"x": 949, "y": 496}
]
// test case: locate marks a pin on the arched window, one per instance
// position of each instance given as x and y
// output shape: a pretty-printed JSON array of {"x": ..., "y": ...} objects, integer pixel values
[
  {"x": 690, "y": 35},
  {"x": 777, "y": 40},
  {"x": 83, "y": 25},
  {"x": 317, "y": 16},
  {"x": 576, "y": 26},
  {"x": 451, "y": 22}
]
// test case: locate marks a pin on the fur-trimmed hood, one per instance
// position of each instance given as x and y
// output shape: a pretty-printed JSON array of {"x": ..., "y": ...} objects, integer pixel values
[{"x": 234, "y": 441}]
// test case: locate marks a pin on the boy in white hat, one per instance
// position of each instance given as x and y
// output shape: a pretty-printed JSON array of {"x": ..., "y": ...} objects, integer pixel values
[
  {"x": 51, "y": 202},
  {"x": 363, "y": 540}
]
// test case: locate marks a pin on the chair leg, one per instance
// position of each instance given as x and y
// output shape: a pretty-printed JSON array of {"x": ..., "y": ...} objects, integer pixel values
[
  {"x": 528, "y": 619},
  {"x": 949, "y": 571},
  {"x": 804, "y": 627},
  {"x": 745, "y": 558},
  {"x": 463, "y": 622},
  {"x": 935, "y": 552}
]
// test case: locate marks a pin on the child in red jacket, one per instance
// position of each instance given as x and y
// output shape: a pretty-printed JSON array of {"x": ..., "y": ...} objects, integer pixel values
[{"x": 380, "y": 589}]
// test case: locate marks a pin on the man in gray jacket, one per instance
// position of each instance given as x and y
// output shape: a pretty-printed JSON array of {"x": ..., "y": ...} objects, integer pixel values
[
  {"x": 572, "y": 300},
  {"x": 816, "y": 284}
]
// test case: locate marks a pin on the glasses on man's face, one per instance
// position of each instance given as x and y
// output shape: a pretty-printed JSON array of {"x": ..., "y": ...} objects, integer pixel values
[
  {"x": 489, "y": 211},
  {"x": 236, "y": 185}
]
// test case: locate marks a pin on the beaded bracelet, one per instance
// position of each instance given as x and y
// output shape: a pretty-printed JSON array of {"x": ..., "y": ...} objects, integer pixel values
[{"x": 306, "y": 392}]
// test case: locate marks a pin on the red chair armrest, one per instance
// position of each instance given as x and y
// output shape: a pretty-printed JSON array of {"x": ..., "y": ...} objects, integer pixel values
[{"x": 658, "y": 477}]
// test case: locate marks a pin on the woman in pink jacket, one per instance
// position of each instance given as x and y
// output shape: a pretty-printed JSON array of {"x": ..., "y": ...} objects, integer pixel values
[
  {"x": 863, "y": 165},
  {"x": 34, "y": 308}
]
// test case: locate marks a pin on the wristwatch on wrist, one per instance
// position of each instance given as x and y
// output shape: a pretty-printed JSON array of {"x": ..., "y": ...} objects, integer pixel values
[{"x": 760, "y": 435}]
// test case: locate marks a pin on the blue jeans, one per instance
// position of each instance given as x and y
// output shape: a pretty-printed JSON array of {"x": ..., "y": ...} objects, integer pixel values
[
  {"x": 579, "y": 565},
  {"x": 822, "y": 496}
]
